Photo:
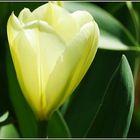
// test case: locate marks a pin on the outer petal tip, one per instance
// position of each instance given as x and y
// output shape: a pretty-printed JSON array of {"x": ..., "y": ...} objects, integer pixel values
[
  {"x": 13, "y": 27},
  {"x": 82, "y": 17},
  {"x": 26, "y": 16}
]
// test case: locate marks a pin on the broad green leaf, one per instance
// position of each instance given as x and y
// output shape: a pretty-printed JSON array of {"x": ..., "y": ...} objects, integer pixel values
[
  {"x": 87, "y": 97},
  {"x": 8, "y": 131},
  {"x": 110, "y": 42},
  {"x": 105, "y": 21},
  {"x": 57, "y": 127},
  {"x": 131, "y": 18},
  {"x": 26, "y": 121},
  {"x": 116, "y": 10},
  {"x": 114, "y": 114}
]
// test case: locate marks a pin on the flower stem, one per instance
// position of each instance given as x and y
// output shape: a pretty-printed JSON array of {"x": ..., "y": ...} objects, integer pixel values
[{"x": 42, "y": 129}]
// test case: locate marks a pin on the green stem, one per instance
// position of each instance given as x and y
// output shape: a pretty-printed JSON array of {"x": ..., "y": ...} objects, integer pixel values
[{"x": 42, "y": 129}]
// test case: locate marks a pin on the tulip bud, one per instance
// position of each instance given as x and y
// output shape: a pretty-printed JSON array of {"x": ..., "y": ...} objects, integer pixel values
[{"x": 51, "y": 50}]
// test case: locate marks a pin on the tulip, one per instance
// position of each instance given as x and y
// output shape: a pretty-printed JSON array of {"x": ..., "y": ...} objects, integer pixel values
[{"x": 51, "y": 50}]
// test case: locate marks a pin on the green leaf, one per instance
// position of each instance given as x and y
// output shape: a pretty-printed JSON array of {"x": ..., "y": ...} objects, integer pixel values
[
  {"x": 86, "y": 99},
  {"x": 4, "y": 117},
  {"x": 8, "y": 131},
  {"x": 135, "y": 19},
  {"x": 57, "y": 127},
  {"x": 115, "y": 112},
  {"x": 131, "y": 18},
  {"x": 105, "y": 21},
  {"x": 110, "y": 42}
]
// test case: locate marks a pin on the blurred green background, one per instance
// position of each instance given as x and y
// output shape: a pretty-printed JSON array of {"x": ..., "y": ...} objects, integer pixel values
[
  {"x": 129, "y": 15},
  {"x": 119, "y": 24}
]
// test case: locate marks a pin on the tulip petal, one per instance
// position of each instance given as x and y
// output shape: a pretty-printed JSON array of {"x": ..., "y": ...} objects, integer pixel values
[
  {"x": 26, "y": 16},
  {"x": 35, "y": 52},
  {"x": 88, "y": 53},
  {"x": 70, "y": 69},
  {"x": 13, "y": 28},
  {"x": 60, "y": 19},
  {"x": 82, "y": 17},
  {"x": 51, "y": 50}
]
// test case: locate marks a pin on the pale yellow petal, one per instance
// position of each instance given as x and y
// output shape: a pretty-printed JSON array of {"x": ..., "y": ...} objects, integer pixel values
[
  {"x": 71, "y": 68},
  {"x": 60, "y": 19},
  {"x": 51, "y": 50},
  {"x": 26, "y": 16},
  {"x": 13, "y": 28},
  {"x": 86, "y": 43},
  {"x": 82, "y": 17},
  {"x": 88, "y": 56},
  {"x": 35, "y": 52}
]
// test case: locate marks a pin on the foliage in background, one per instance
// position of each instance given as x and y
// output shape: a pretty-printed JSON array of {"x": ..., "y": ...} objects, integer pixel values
[{"x": 102, "y": 105}]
